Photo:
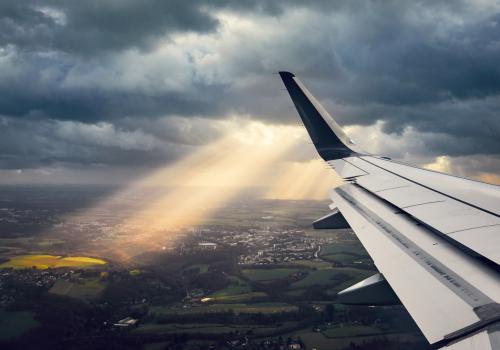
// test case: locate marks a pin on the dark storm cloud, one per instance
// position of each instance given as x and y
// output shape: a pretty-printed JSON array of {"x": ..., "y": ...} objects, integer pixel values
[
  {"x": 409, "y": 64},
  {"x": 428, "y": 65},
  {"x": 37, "y": 87},
  {"x": 90, "y": 27},
  {"x": 37, "y": 142},
  {"x": 452, "y": 127},
  {"x": 371, "y": 51},
  {"x": 34, "y": 143}
]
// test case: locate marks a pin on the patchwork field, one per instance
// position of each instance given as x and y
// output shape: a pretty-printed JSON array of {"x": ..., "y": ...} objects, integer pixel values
[
  {"x": 43, "y": 262},
  {"x": 89, "y": 289}
]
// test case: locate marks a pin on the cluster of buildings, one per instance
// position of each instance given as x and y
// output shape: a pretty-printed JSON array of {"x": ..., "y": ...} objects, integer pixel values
[
  {"x": 12, "y": 280},
  {"x": 260, "y": 245},
  {"x": 264, "y": 245}
]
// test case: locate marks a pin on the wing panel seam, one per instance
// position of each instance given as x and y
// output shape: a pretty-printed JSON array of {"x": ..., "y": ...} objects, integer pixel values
[
  {"x": 416, "y": 205},
  {"x": 432, "y": 189},
  {"x": 392, "y": 188},
  {"x": 472, "y": 228}
]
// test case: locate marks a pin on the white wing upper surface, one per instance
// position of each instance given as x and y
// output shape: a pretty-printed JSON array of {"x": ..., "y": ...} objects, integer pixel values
[{"x": 434, "y": 237}]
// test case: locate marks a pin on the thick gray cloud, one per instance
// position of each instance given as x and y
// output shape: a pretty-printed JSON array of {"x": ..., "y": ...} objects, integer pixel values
[
  {"x": 92, "y": 27},
  {"x": 91, "y": 82},
  {"x": 47, "y": 143}
]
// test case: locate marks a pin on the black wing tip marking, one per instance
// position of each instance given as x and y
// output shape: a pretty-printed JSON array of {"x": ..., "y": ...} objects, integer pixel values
[{"x": 326, "y": 140}]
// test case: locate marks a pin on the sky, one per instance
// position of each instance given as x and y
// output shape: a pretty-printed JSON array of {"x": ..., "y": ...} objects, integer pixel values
[{"x": 109, "y": 92}]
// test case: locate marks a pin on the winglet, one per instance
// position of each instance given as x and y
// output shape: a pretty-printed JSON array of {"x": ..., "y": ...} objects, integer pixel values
[{"x": 328, "y": 137}]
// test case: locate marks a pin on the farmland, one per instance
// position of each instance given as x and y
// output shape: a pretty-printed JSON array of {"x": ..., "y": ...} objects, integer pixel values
[
  {"x": 268, "y": 274},
  {"x": 254, "y": 308},
  {"x": 88, "y": 289},
  {"x": 265, "y": 276},
  {"x": 330, "y": 276},
  {"x": 42, "y": 262}
]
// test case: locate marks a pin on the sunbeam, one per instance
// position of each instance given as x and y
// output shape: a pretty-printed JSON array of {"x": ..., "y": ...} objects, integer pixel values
[
  {"x": 151, "y": 212},
  {"x": 303, "y": 180}
]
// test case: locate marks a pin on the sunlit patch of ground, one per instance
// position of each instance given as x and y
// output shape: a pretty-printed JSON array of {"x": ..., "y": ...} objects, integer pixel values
[
  {"x": 154, "y": 212},
  {"x": 42, "y": 262}
]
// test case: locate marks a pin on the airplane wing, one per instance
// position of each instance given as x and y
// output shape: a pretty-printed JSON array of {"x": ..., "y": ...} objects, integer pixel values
[{"x": 435, "y": 238}]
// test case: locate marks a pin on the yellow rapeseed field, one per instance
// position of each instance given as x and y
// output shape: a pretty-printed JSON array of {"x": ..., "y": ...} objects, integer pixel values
[{"x": 42, "y": 262}]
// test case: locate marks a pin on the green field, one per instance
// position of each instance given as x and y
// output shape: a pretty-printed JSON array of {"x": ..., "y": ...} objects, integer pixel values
[
  {"x": 318, "y": 277},
  {"x": 89, "y": 289},
  {"x": 257, "y": 275},
  {"x": 344, "y": 258},
  {"x": 331, "y": 276},
  {"x": 220, "y": 308},
  {"x": 254, "y": 308},
  {"x": 312, "y": 264},
  {"x": 236, "y": 292},
  {"x": 16, "y": 323},
  {"x": 353, "y": 249},
  {"x": 205, "y": 328},
  {"x": 42, "y": 262},
  {"x": 236, "y": 286},
  {"x": 238, "y": 298}
]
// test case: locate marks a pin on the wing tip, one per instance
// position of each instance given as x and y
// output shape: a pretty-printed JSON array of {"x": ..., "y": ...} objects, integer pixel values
[
  {"x": 327, "y": 136},
  {"x": 285, "y": 74}
]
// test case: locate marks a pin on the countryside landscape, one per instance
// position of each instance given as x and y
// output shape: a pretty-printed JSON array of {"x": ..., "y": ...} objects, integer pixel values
[{"x": 252, "y": 276}]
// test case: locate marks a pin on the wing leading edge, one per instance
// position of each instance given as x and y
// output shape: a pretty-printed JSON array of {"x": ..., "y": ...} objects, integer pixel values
[{"x": 434, "y": 237}]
